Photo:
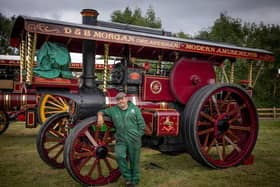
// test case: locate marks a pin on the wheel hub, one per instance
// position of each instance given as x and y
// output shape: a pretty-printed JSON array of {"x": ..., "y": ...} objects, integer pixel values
[
  {"x": 223, "y": 126},
  {"x": 101, "y": 152}
]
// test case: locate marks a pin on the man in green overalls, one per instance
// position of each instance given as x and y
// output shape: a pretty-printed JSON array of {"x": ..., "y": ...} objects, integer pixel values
[{"x": 129, "y": 124}]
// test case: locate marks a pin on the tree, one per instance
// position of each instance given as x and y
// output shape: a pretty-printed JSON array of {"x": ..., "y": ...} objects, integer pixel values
[
  {"x": 230, "y": 30},
  {"x": 225, "y": 29},
  {"x": 135, "y": 17},
  {"x": 181, "y": 34},
  {"x": 5, "y": 30}
]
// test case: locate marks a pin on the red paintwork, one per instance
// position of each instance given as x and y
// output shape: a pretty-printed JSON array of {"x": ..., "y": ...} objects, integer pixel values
[
  {"x": 165, "y": 122},
  {"x": 149, "y": 120},
  {"x": 30, "y": 119},
  {"x": 136, "y": 99},
  {"x": 249, "y": 160},
  {"x": 11, "y": 101},
  {"x": 187, "y": 76},
  {"x": 156, "y": 88},
  {"x": 56, "y": 82}
]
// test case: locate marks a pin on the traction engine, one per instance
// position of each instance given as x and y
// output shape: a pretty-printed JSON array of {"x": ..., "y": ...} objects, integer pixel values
[{"x": 184, "y": 108}]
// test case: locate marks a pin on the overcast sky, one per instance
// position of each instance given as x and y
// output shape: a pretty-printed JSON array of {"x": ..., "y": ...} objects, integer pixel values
[{"x": 189, "y": 16}]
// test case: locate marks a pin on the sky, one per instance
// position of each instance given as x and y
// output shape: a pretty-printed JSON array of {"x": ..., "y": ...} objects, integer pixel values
[{"x": 188, "y": 16}]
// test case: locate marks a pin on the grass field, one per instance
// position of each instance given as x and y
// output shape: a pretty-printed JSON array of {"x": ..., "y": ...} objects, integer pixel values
[{"x": 20, "y": 164}]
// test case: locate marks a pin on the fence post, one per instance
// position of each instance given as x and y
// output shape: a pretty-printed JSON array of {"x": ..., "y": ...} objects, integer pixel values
[{"x": 274, "y": 113}]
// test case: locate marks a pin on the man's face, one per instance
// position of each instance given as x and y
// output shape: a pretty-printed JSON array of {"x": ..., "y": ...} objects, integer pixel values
[{"x": 122, "y": 103}]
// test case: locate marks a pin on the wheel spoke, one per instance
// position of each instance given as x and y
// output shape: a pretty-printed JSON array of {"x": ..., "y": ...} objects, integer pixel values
[
  {"x": 53, "y": 98},
  {"x": 52, "y": 108},
  {"x": 81, "y": 155},
  {"x": 56, "y": 133},
  {"x": 226, "y": 102},
  {"x": 96, "y": 133},
  {"x": 106, "y": 135},
  {"x": 211, "y": 145},
  {"x": 204, "y": 123},
  {"x": 52, "y": 112},
  {"x": 206, "y": 141},
  {"x": 242, "y": 128},
  {"x": 88, "y": 135},
  {"x": 233, "y": 119},
  {"x": 83, "y": 163},
  {"x": 218, "y": 150},
  {"x": 237, "y": 109},
  {"x": 205, "y": 131},
  {"x": 229, "y": 132},
  {"x": 99, "y": 169},
  {"x": 52, "y": 139},
  {"x": 233, "y": 144},
  {"x": 58, "y": 153},
  {"x": 57, "y": 105},
  {"x": 224, "y": 147},
  {"x": 53, "y": 147},
  {"x": 211, "y": 107},
  {"x": 210, "y": 118},
  {"x": 216, "y": 105},
  {"x": 93, "y": 167},
  {"x": 108, "y": 164},
  {"x": 62, "y": 101}
]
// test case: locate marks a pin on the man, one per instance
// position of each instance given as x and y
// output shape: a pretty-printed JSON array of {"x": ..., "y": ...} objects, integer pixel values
[{"x": 129, "y": 124}]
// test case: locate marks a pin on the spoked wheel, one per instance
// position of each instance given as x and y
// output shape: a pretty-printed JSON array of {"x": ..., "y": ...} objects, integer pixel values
[
  {"x": 49, "y": 105},
  {"x": 221, "y": 125},
  {"x": 4, "y": 122},
  {"x": 51, "y": 139},
  {"x": 89, "y": 153}
]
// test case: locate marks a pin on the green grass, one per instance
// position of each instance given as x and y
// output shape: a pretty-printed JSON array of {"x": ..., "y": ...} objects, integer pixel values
[{"x": 20, "y": 164}]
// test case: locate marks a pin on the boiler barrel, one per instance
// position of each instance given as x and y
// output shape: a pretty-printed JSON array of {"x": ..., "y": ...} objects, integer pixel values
[{"x": 9, "y": 101}]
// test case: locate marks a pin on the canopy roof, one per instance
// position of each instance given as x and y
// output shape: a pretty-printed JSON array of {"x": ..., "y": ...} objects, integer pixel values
[{"x": 145, "y": 43}]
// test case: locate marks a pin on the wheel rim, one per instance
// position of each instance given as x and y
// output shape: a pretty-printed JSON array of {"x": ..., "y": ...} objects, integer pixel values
[
  {"x": 52, "y": 141},
  {"x": 226, "y": 127},
  {"x": 92, "y": 159},
  {"x": 3, "y": 122},
  {"x": 50, "y": 105}
]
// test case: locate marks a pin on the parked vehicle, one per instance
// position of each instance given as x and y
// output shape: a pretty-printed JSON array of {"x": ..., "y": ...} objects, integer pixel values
[{"x": 172, "y": 80}]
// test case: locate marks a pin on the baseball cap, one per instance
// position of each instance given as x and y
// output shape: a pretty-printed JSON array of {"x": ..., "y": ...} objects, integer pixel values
[{"x": 120, "y": 95}]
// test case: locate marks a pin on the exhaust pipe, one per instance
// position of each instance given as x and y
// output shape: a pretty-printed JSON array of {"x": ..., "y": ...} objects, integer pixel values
[{"x": 88, "y": 82}]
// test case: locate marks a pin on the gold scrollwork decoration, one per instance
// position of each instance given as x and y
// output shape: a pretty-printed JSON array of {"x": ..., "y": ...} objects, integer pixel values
[{"x": 40, "y": 27}]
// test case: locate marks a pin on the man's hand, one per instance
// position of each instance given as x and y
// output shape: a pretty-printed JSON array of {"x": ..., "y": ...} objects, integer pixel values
[{"x": 100, "y": 119}]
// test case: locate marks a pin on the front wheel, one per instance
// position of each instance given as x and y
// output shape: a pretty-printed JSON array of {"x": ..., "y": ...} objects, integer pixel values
[
  {"x": 4, "y": 122},
  {"x": 221, "y": 125},
  {"x": 51, "y": 138},
  {"x": 89, "y": 153}
]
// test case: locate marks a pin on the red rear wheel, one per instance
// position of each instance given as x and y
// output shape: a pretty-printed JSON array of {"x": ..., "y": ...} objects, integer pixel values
[
  {"x": 221, "y": 125},
  {"x": 89, "y": 153}
]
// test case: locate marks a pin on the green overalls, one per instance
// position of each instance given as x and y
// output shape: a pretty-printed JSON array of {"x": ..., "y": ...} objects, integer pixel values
[{"x": 129, "y": 126}]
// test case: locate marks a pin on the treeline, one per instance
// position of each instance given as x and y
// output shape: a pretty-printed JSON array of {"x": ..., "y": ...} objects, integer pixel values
[
  {"x": 235, "y": 31},
  {"x": 225, "y": 29}
]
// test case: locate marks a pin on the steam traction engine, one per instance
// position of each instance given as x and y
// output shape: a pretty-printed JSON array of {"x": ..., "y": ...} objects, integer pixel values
[{"x": 174, "y": 84}]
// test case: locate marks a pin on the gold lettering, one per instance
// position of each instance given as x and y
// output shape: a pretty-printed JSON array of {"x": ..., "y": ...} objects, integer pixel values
[
  {"x": 97, "y": 35},
  {"x": 110, "y": 36},
  {"x": 86, "y": 32}
]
